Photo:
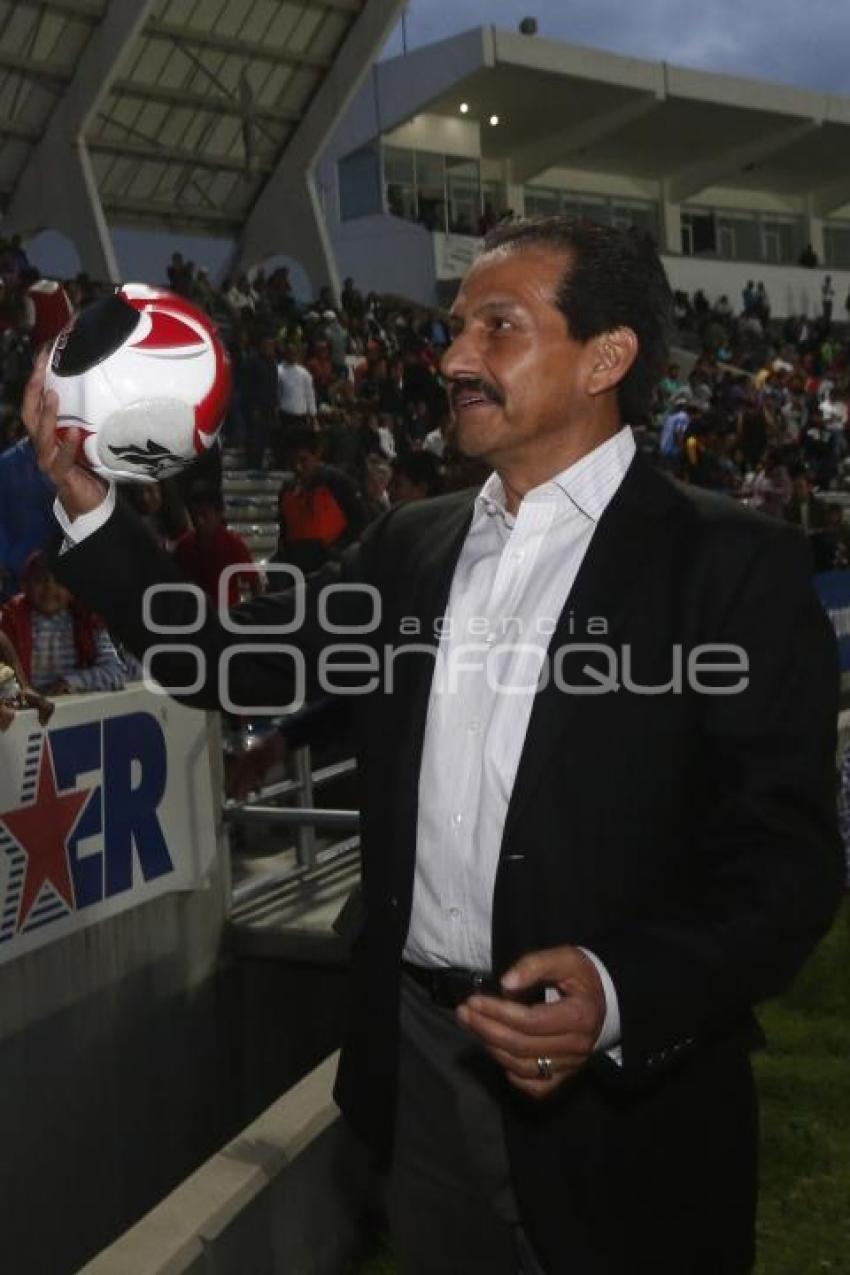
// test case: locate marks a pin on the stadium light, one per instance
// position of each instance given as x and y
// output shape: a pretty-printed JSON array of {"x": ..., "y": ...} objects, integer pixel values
[
  {"x": 464, "y": 107},
  {"x": 494, "y": 119}
]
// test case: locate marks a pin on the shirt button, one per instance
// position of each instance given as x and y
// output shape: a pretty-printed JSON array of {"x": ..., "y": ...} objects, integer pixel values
[
  {"x": 474, "y": 727},
  {"x": 490, "y": 639},
  {"x": 457, "y": 819},
  {"x": 454, "y": 913},
  {"x": 518, "y": 555}
]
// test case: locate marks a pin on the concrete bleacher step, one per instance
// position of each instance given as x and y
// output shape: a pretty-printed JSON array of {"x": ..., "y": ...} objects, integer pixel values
[
  {"x": 254, "y": 530},
  {"x": 250, "y": 498},
  {"x": 252, "y": 481},
  {"x": 293, "y": 919},
  {"x": 261, "y": 507}
]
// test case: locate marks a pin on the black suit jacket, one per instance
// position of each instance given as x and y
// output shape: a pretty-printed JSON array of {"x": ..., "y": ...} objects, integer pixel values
[{"x": 687, "y": 838}]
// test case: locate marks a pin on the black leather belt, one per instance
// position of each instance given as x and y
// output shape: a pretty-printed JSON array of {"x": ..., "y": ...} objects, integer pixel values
[{"x": 450, "y": 987}]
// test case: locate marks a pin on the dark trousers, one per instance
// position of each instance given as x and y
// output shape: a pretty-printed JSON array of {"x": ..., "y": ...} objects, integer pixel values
[{"x": 450, "y": 1203}]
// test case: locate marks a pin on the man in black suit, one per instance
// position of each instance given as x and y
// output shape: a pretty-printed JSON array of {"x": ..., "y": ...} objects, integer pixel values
[{"x": 585, "y": 858}]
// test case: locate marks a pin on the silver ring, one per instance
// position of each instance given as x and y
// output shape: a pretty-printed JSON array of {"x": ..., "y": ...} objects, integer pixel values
[{"x": 544, "y": 1068}]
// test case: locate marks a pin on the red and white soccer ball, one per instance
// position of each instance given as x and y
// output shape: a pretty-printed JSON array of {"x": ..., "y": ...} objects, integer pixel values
[{"x": 145, "y": 377}]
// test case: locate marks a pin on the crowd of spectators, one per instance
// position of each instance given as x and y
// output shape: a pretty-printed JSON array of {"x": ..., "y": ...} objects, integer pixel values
[
  {"x": 344, "y": 396},
  {"x": 762, "y": 414}
]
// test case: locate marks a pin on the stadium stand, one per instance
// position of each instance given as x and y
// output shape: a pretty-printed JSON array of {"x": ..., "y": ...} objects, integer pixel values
[{"x": 242, "y": 120}]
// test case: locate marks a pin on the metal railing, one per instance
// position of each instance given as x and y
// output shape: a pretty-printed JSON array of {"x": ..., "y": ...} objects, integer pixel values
[{"x": 303, "y": 817}]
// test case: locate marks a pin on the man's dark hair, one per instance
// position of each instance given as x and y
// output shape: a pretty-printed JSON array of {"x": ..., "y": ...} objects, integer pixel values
[{"x": 613, "y": 279}]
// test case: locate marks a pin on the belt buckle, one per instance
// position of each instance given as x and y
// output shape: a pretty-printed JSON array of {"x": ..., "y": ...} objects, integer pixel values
[{"x": 461, "y": 984}]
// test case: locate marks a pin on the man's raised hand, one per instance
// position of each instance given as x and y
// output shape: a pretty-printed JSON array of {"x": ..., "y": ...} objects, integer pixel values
[{"x": 78, "y": 489}]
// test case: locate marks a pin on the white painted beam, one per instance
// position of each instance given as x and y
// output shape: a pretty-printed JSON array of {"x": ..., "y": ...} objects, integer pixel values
[
  {"x": 560, "y": 146},
  {"x": 158, "y": 154},
  {"x": 728, "y": 163},
  {"x": 211, "y": 103},
  {"x": 83, "y": 12},
  {"x": 827, "y": 198},
  {"x": 252, "y": 50}
]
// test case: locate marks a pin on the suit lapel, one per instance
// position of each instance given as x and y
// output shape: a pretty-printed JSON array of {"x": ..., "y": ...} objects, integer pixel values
[{"x": 634, "y": 526}]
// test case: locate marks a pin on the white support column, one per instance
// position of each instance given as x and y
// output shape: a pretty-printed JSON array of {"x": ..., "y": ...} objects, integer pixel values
[
  {"x": 693, "y": 178},
  {"x": 556, "y": 147},
  {"x": 513, "y": 192},
  {"x": 671, "y": 221},
  {"x": 57, "y": 188},
  {"x": 287, "y": 215},
  {"x": 814, "y": 227}
]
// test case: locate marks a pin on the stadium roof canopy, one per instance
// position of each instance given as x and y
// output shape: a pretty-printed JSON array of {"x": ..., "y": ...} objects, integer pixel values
[
  {"x": 202, "y": 115},
  {"x": 560, "y": 104}
]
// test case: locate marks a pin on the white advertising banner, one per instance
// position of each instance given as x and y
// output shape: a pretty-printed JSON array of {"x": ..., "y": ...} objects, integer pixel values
[
  {"x": 109, "y": 805},
  {"x": 454, "y": 254}
]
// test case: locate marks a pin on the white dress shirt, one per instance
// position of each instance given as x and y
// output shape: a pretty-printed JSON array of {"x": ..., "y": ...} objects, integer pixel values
[
  {"x": 295, "y": 391},
  {"x": 511, "y": 583}
]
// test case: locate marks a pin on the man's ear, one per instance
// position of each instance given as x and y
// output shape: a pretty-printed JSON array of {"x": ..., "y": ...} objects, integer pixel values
[{"x": 612, "y": 355}]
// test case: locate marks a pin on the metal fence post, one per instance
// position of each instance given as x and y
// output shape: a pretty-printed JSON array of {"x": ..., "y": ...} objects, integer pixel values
[{"x": 305, "y": 837}]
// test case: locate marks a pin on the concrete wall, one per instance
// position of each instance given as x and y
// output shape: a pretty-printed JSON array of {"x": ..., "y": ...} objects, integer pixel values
[
  {"x": 739, "y": 200},
  {"x": 387, "y": 254},
  {"x": 791, "y": 289},
  {"x": 287, "y": 1195},
  {"x": 589, "y": 183},
  {"x": 108, "y": 1096},
  {"x": 441, "y": 134},
  {"x": 111, "y": 1074},
  {"x": 390, "y": 255},
  {"x": 130, "y": 1051}
]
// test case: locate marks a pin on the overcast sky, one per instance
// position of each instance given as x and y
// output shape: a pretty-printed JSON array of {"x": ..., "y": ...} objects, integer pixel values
[{"x": 805, "y": 44}]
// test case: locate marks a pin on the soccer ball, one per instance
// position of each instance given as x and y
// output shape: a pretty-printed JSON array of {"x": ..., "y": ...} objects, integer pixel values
[{"x": 144, "y": 375}]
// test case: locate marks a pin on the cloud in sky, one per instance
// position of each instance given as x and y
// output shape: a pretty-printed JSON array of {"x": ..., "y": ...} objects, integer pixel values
[{"x": 781, "y": 40}]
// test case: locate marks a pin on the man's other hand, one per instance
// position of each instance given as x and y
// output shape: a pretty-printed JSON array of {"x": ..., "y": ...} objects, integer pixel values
[
  {"x": 564, "y": 1031},
  {"x": 78, "y": 489}
]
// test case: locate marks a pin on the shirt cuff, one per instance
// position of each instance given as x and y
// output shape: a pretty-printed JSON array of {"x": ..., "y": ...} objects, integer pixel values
[
  {"x": 78, "y": 529},
  {"x": 608, "y": 1040}
]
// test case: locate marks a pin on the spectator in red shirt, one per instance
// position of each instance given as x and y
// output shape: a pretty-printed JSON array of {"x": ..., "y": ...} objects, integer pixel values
[
  {"x": 322, "y": 514},
  {"x": 205, "y": 551}
]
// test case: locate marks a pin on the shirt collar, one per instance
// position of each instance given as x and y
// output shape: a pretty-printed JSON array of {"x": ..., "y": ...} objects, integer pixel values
[{"x": 587, "y": 485}]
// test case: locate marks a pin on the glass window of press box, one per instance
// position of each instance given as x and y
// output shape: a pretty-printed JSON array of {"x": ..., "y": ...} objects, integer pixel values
[
  {"x": 441, "y": 192},
  {"x": 836, "y": 244},
  {"x": 547, "y": 201},
  {"x": 742, "y": 236},
  {"x": 360, "y": 183}
]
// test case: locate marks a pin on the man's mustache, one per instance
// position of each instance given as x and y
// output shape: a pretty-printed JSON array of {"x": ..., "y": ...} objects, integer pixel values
[{"x": 473, "y": 385}]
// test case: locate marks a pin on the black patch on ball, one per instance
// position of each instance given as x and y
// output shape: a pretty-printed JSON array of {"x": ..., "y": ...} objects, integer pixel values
[
  {"x": 152, "y": 459},
  {"x": 97, "y": 332}
]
